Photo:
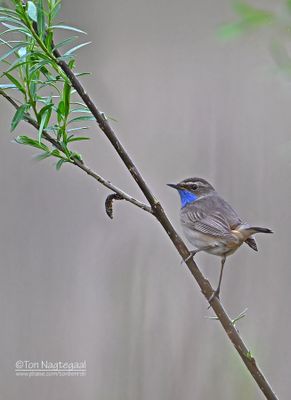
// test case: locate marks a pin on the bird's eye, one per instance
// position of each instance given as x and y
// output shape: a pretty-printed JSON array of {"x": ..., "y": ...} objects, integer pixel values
[{"x": 194, "y": 186}]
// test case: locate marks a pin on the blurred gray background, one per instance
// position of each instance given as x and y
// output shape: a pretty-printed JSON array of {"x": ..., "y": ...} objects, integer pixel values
[{"x": 77, "y": 286}]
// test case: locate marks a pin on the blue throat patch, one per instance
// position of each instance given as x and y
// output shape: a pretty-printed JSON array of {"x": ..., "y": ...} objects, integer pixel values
[{"x": 187, "y": 197}]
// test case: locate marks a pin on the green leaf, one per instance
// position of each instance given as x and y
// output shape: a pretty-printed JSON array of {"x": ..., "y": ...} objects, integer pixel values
[
  {"x": 77, "y": 155},
  {"x": 11, "y": 51},
  {"x": 251, "y": 16},
  {"x": 55, "y": 9},
  {"x": 57, "y": 153},
  {"x": 49, "y": 40},
  {"x": 44, "y": 116},
  {"x": 38, "y": 66},
  {"x": 78, "y": 103},
  {"x": 15, "y": 82},
  {"x": 77, "y": 139},
  {"x": 40, "y": 18},
  {"x": 83, "y": 118},
  {"x": 71, "y": 51},
  {"x": 31, "y": 142},
  {"x": 43, "y": 156},
  {"x": 22, "y": 51},
  {"x": 19, "y": 29},
  {"x": 65, "y": 42},
  {"x": 60, "y": 163},
  {"x": 13, "y": 20},
  {"x": 82, "y": 74},
  {"x": 5, "y": 10},
  {"x": 32, "y": 11},
  {"x": 80, "y": 128},
  {"x": 230, "y": 31},
  {"x": 244, "y": 10},
  {"x": 61, "y": 108},
  {"x": 81, "y": 110},
  {"x": 7, "y": 86},
  {"x": 66, "y": 98},
  {"x": 69, "y": 28},
  {"x": 18, "y": 116}
]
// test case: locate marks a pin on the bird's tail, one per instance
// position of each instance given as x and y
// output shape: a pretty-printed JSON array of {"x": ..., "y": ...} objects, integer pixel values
[{"x": 256, "y": 229}]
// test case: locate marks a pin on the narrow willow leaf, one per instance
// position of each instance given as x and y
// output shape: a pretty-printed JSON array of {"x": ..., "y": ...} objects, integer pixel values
[
  {"x": 71, "y": 51},
  {"x": 230, "y": 31},
  {"x": 55, "y": 10},
  {"x": 40, "y": 18},
  {"x": 5, "y": 10},
  {"x": 11, "y": 19},
  {"x": 32, "y": 11},
  {"x": 42, "y": 156},
  {"x": 41, "y": 127},
  {"x": 76, "y": 139},
  {"x": 56, "y": 153},
  {"x": 78, "y": 103},
  {"x": 16, "y": 64},
  {"x": 60, "y": 163},
  {"x": 77, "y": 155},
  {"x": 245, "y": 10},
  {"x": 66, "y": 98},
  {"x": 83, "y": 74},
  {"x": 22, "y": 51},
  {"x": 6, "y": 43},
  {"x": 7, "y": 86},
  {"x": 31, "y": 142},
  {"x": 18, "y": 116},
  {"x": 83, "y": 118},
  {"x": 44, "y": 115},
  {"x": 18, "y": 29},
  {"x": 46, "y": 107},
  {"x": 251, "y": 16},
  {"x": 65, "y": 42},
  {"x": 15, "y": 82},
  {"x": 60, "y": 111},
  {"x": 11, "y": 51},
  {"x": 8, "y": 30},
  {"x": 69, "y": 28},
  {"x": 38, "y": 66},
  {"x": 80, "y": 128},
  {"x": 49, "y": 40},
  {"x": 81, "y": 110}
]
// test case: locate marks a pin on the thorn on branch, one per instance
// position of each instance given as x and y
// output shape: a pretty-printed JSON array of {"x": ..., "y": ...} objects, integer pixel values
[{"x": 109, "y": 203}]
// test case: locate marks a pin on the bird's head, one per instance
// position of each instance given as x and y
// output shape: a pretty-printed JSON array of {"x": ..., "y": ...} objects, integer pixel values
[{"x": 192, "y": 189}]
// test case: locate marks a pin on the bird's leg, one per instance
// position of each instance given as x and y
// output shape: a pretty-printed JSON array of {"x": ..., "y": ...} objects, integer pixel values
[
  {"x": 194, "y": 252},
  {"x": 217, "y": 291}
]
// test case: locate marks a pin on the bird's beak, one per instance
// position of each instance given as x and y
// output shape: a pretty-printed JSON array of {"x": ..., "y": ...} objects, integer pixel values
[{"x": 172, "y": 185}]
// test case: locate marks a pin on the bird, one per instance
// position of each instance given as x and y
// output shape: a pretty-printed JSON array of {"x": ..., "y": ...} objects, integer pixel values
[{"x": 210, "y": 224}]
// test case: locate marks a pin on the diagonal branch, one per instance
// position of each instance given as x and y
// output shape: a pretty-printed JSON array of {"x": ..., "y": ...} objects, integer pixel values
[
  {"x": 78, "y": 163},
  {"x": 160, "y": 215}
]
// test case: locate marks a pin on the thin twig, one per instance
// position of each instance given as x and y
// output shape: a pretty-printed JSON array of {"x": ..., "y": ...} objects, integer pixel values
[
  {"x": 80, "y": 164},
  {"x": 159, "y": 213}
]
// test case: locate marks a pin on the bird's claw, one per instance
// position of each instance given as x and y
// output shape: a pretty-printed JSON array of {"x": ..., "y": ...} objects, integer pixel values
[{"x": 192, "y": 254}]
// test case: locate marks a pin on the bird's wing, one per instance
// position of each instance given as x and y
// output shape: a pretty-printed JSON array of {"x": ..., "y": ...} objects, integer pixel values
[{"x": 214, "y": 223}]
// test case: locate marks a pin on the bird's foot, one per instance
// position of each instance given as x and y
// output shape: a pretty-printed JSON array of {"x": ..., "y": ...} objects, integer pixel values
[
  {"x": 192, "y": 254},
  {"x": 214, "y": 294}
]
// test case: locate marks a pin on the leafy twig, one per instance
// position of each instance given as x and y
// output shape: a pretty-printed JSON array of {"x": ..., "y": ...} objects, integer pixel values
[{"x": 79, "y": 163}]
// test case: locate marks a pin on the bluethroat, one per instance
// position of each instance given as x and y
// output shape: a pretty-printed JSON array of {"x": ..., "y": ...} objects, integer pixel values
[{"x": 211, "y": 224}]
